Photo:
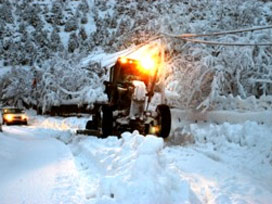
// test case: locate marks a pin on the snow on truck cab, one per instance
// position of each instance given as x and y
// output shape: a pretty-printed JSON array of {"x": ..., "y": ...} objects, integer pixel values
[{"x": 130, "y": 89}]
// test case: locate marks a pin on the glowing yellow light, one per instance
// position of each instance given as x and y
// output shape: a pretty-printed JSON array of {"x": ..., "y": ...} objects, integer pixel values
[
  {"x": 8, "y": 117},
  {"x": 123, "y": 60},
  {"x": 154, "y": 130},
  {"x": 24, "y": 117},
  {"x": 150, "y": 58},
  {"x": 148, "y": 65}
]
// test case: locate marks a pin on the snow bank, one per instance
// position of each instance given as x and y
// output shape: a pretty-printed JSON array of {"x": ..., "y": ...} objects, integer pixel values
[
  {"x": 59, "y": 123},
  {"x": 237, "y": 103},
  {"x": 253, "y": 143},
  {"x": 131, "y": 170},
  {"x": 180, "y": 117},
  {"x": 225, "y": 163},
  {"x": 245, "y": 148}
]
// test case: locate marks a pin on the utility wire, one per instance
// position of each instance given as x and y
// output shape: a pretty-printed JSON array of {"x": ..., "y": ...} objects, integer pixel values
[
  {"x": 191, "y": 35},
  {"x": 225, "y": 43},
  {"x": 144, "y": 43},
  {"x": 188, "y": 36}
]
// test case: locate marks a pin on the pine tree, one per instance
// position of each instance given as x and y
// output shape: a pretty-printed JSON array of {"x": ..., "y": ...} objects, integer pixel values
[{"x": 73, "y": 42}]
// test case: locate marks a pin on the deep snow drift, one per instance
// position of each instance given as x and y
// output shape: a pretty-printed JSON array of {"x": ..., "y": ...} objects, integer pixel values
[{"x": 201, "y": 163}]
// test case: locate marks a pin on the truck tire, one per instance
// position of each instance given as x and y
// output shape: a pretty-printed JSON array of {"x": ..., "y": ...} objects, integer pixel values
[
  {"x": 107, "y": 121},
  {"x": 164, "y": 120},
  {"x": 89, "y": 125},
  {"x": 95, "y": 123}
]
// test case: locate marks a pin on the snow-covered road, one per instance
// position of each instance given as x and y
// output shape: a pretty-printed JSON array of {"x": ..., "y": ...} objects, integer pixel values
[
  {"x": 35, "y": 168},
  {"x": 201, "y": 163}
]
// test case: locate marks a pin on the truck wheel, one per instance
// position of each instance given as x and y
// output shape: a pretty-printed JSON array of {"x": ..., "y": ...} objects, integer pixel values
[
  {"x": 164, "y": 120},
  {"x": 89, "y": 125},
  {"x": 107, "y": 121},
  {"x": 95, "y": 123}
]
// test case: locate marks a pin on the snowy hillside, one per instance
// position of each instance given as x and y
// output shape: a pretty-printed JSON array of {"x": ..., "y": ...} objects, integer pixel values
[{"x": 43, "y": 44}]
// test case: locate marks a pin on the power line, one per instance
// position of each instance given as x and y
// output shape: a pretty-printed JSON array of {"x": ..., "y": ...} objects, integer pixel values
[
  {"x": 191, "y": 35},
  {"x": 144, "y": 43},
  {"x": 225, "y": 43}
]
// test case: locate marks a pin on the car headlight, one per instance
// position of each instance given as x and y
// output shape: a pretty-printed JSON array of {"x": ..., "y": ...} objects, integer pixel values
[
  {"x": 8, "y": 117},
  {"x": 24, "y": 117}
]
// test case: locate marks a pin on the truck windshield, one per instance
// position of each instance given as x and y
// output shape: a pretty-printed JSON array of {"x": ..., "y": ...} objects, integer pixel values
[{"x": 129, "y": 72}]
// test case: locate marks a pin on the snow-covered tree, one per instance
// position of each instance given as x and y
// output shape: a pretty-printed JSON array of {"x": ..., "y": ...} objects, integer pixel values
[
  {"x": 71, "y": 24},
  {"x": 73, "y": 42},
  {"x": 6, "y": 12}
]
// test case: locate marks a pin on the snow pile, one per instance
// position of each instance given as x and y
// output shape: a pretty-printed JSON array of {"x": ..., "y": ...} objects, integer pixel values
[
  {"x": 59, "y": 123},
  {"x": 62, "y": 129},
  {"x": 227, "y": 163},
  {"x": 131, "y": 170},
  {"x": 237, "y": 103},
  {"x": 244, "y": 137},
  {"x": 181, "y": 117}
]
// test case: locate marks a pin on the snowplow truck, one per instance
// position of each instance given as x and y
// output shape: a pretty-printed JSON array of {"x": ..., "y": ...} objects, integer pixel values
[{"x": 129, "y": 90}]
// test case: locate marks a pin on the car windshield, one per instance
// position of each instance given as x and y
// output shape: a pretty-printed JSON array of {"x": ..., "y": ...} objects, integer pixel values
[{"x": 13, "y": 110}]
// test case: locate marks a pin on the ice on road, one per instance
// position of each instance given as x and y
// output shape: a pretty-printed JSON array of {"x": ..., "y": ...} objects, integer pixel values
[{"x": 36, "y": 168}]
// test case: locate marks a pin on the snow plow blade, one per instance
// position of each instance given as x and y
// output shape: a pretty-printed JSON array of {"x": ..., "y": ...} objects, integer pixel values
[{"x": 96, "y": 133}]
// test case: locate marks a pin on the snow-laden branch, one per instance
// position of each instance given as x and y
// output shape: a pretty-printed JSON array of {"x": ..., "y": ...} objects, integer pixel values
[
  {"x": 253, "y": 80},
  {"x": 73, "y": 93}
]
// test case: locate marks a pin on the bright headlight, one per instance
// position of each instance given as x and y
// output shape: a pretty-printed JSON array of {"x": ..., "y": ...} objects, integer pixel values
[
  {"x": 8, "y": 117},
  {"x": 148, "y": 65}
]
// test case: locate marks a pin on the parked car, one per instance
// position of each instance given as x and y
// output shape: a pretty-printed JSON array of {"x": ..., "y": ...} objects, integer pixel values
[{"x": 12, "y": 115}]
